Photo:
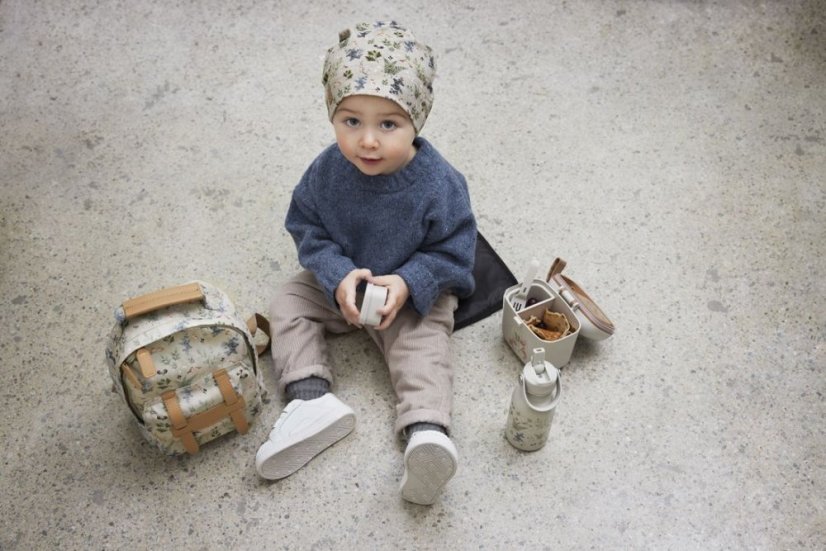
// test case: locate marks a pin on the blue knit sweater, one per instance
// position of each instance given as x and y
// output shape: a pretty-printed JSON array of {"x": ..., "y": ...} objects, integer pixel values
[{"x": 416, "y": 223}]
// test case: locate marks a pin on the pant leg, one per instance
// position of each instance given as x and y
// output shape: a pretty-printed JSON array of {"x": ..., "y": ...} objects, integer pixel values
[
  {"x": 417, "y": 352},
  {"x": 300, "y": 315}
]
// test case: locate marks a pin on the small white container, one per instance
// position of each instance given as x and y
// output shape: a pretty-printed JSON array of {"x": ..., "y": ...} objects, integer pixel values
[
  {"x": 374, "y": 298},
  {"x": 559, "y": 294}
]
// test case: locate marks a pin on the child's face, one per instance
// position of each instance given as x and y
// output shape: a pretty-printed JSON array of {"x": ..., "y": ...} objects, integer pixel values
[{"x": 374, "y": 133}]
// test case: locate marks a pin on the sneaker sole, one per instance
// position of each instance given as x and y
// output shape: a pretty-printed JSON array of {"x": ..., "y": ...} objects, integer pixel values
[
  {"x": 282, "y": 463},
  {"x": 427, "y": 469}
]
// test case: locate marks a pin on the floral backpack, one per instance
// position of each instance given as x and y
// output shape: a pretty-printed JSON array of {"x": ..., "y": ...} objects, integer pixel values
[{"x": 186, "y": 365}]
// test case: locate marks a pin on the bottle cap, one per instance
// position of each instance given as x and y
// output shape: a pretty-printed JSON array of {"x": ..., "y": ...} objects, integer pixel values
[{"x": 540, "y": 376}]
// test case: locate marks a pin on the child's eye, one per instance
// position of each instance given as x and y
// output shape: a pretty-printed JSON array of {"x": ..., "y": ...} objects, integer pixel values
[
  {"x": 388, "y": 125},
  {"x": 352, "y": 122}
]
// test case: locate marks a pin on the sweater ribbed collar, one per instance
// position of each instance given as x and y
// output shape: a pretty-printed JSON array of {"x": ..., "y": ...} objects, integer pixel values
[{"x": 399, "y": 180}]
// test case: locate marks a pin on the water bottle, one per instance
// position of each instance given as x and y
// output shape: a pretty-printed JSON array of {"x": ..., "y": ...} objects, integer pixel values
[{"x": 532, "y": 404}]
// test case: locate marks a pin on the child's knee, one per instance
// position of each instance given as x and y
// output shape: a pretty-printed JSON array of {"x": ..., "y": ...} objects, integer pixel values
[{"x": 288, "y": 301}]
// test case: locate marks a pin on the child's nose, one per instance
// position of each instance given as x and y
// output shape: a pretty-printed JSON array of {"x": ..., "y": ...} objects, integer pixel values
[{"x": 368, "y": 139}]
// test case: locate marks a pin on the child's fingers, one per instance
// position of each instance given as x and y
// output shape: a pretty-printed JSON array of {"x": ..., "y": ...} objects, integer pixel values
[
  {"x": 379, "y": 280},
  {"x": 349, "y": 308},
  {"x": 346, "y": 296},
  {"x": 350, "y": 311},
  {"x": 386, "y": 320},
  {"x": 391, "y": 304},
  {"x": 362, "y": 274}
]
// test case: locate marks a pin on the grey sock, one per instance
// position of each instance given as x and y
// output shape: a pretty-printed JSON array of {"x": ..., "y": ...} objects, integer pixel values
[
  {"x": 416, "y": 427},
  {"x": 307, "y": 389}
]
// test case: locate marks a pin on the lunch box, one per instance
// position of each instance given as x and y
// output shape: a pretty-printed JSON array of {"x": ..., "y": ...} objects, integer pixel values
[{"x": 557, "y": 293}]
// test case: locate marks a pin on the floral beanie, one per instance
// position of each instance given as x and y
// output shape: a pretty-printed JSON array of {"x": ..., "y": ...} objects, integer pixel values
[{"x": 381, "y": 59}]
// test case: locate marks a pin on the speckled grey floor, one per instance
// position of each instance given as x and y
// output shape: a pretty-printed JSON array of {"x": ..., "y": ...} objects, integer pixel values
[{"x": 673, "y": 152}]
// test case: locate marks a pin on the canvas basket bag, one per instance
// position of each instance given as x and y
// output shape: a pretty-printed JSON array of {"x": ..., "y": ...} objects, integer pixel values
[{"x": 186, "y": 365}]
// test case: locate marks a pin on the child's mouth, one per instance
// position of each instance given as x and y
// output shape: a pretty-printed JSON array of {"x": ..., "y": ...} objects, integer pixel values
[{"x": 370, "y": 161}]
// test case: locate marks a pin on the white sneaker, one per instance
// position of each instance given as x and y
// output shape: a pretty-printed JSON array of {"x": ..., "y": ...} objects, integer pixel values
[
  {"x": 430, "y": 460},
  {"x": 304, "y": 429}
]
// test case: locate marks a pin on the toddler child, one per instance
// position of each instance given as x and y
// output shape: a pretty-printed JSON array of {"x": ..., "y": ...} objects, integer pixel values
[{"x": 382, "y": 206}]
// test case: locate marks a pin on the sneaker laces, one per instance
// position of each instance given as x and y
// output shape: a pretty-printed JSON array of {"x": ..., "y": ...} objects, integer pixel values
[{"x": 284, "y": 414}]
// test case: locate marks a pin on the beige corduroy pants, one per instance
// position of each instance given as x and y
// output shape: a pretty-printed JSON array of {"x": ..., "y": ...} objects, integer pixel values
[{"x": 415, "y": 348}]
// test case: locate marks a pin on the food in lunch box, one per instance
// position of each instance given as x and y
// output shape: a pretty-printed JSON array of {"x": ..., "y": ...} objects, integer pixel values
[{"x": 552, "y": 327}]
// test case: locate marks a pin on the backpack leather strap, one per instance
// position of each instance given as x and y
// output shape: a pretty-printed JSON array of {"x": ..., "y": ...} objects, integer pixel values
[
  {"x": 180, "y": 428},
  {"x": 233, "y": 402},
  {"x": 127, "y": 372},
  {"x": 256, "y": 322},
  {"x": 184, "y": 428},
  {"x": 145, "y": 363}
]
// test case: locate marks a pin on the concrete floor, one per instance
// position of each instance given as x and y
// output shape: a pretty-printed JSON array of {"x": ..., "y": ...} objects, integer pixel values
[{"x": 673, "y": 153}]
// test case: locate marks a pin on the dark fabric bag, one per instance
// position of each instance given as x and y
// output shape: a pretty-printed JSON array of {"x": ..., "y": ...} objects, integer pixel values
[{"x": 492, "y": 279}]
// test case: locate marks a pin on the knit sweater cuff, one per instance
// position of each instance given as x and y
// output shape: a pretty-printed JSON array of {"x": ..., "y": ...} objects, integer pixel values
[
  {"x": 331, "y": 274},
  {"x": 424, "y": 289}
]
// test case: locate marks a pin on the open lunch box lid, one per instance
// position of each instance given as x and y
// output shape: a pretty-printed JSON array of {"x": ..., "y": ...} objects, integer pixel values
[{"x": 593, "y": 321}]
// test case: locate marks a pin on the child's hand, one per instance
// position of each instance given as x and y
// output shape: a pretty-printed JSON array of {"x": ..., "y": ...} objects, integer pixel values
[
  {"x": 346, "y": 294},
  {"x": 397, "y": 294}
]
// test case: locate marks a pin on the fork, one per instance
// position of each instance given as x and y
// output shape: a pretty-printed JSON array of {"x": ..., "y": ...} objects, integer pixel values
[{"x": 519, "y": 299}]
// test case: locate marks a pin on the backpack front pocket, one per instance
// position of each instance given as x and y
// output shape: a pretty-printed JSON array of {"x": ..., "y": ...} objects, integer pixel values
[
  {"x": 183, "y": 419},
  {"x": 178, "y": 360}
]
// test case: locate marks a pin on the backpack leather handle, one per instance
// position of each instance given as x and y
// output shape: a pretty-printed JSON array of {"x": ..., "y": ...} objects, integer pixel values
[{"x": 190, "y": 292}]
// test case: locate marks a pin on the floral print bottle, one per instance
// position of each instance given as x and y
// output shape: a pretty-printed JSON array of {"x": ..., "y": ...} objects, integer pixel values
[{"x": 532, "y": 404}]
